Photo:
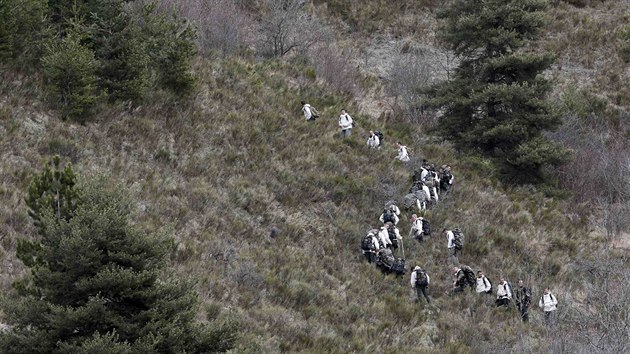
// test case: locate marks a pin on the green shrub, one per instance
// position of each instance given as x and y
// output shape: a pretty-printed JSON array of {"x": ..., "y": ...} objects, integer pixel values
[
  {"x": 171, "y": 48},
  {"x": 71, "y": 81},
  {"x": 61, "y": 147}
]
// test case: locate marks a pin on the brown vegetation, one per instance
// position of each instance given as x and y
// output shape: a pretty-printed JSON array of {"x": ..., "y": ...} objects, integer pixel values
[{"x": 238, "y": 161}]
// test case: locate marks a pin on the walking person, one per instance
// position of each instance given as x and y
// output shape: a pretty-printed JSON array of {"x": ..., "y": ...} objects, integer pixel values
[
  {"x": 403, "y": 155},
  {"x": 420, "y": 281},
  {"x": 523, "y": 297},
  {"x": 310, "y": 113},
  {"x": 373, "y": 141},
  {"x": 483, "y": 286},
  {"x": 504, "y": 294},
  {"x": 390, "y": 214},
  {"x": 451, "y": 245},
  {"x": 446, "y": 179},
  {"x": 462, "y": 277},
  {"x": 383, "y": 236},
  {"x": 370, "y": 245},
  {"x": 345, "y": 123},
  {"x": 548, "y": 303},
  {"x": 416, "y": 230}
]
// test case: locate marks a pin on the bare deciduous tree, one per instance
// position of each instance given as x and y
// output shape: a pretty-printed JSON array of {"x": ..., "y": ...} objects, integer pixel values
[
  {"x": 409, "y": 75},
  {"x": 601, "y": 322},
  {"x": 286, "y": 26},
  {"x": 222, "y": 25},
  {"x": 600, "y": 171},
  {"x": 335, "y": 66}
]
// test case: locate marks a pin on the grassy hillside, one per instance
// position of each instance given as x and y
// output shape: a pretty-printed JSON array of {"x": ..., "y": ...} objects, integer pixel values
[{"x": 222, "y": 170}]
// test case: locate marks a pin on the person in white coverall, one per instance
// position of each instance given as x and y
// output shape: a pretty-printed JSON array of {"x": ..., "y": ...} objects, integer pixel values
[
  {"x": 403, "y": 155},
  {"x": 345, "y": 123},
  {"x": 548, "y": 304}
]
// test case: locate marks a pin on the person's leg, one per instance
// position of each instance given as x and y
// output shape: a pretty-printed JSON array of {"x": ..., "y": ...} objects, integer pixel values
[
  {"x": 453, "y": 258},
  {"x": 349, "y": 132},
  {"x": 525, "y": 314},
  {"x": 426, "y": 295},
  {"x": 547, "y": 318},
  {"x": 418, "y": 292}
]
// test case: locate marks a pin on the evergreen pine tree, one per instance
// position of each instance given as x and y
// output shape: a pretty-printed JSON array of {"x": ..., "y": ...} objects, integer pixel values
[
  {"x": 7, "y": 30},
  {"x": 495, "y": 104},
  {"x": 52, "y": 189},
  {"x": 97, "y": 285},
  {"x": 23, "y": 31},
  {"x": 117, "y": 42},
  {"x": 70, "y": 69},
  {"x": 171, "y": 47}
]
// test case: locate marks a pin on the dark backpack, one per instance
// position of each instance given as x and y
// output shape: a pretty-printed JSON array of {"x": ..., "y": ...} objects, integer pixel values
[
  {"x": 526, "y": 296},
  {"x": 380, "y": 136},
  {"x": 469, "y": 275},
  {"x": 458, "y": 239},
  {"x": 489, "y": 282},
  {"x": 392, "y": 236},
  {"x": 446, "y": 176},
  {"x": 366, "y": 243},
  {"x": 426, "y": 228},
  {"x": 398, "y": 267},
  {"x": 409, "y": 201},
  {"x": 421, "y": 278},
  {"x": 388, "y": 215}
]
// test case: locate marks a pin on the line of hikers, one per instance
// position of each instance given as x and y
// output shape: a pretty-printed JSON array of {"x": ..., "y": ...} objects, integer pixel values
[
  {"x": 464, "y": 276},
  {"x": 375, "y": 139},
  {"x": 428, "y": 184},
  {"x": 378, "y": 245}
]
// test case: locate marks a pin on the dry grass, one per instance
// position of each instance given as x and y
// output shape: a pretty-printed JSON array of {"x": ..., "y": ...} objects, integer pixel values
[
  {"x": 239, "y": 159},
  {"x": 224, "y": 169}
]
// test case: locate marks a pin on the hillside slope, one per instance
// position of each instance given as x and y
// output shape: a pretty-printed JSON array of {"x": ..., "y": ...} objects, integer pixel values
[{"x": 224, "y": 169}]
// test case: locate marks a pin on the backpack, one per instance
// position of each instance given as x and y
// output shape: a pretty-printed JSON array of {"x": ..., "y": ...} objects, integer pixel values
[
  {"x": 388, "y": 215},
  {"x": 392, "y": 237},
  {"x": 469, "y": 275},
  {"x": 527, "y": 296},
  {"x": 429, "y": 181},
  {"x": 380, "y": 136},
  {"x": 398, "y": 267},
  {"x": 489, "y": 282},
  {"x": 458, "y": 239},
  {"x": 421, "y": 278},
  {"x": 366, "y": 243},
  {"x": 421, "y": 195},
  {"x": 426, "y": 228},
  {"x": 446, "y": 176},
  {"x": 409, "y": 201},
  {"x": 314, "y": 112}
]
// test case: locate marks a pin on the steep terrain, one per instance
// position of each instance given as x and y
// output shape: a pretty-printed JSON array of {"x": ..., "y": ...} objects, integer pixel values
[{"x": 238, "y": 160}]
